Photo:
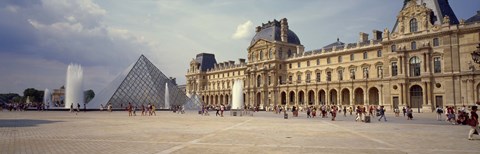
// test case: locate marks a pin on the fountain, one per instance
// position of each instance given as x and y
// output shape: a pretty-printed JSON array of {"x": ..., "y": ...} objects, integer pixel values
[
  {"x": 237, "y": 98},
  {"x": 167, "y": 97},
  {"x": 74, "y": 86},
  {"x": 47, "y": 98}
]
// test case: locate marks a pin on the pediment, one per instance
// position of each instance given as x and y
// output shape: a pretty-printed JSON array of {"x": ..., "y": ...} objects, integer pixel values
[{"x": 259, "y": 42}]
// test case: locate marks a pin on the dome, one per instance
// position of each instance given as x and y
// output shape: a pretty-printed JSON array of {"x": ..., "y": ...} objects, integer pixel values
[{"x": 272, "y": 33}]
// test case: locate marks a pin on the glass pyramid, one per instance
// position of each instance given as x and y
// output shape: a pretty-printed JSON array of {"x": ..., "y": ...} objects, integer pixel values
[{"x": 143, "y": 83}]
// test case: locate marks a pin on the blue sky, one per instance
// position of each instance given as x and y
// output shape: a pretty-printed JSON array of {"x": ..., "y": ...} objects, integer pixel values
[{"x": 39, "y": 38}]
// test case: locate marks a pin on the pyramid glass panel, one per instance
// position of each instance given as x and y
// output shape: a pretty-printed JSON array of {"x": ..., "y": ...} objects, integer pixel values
[{"x": 144, "y": 84}]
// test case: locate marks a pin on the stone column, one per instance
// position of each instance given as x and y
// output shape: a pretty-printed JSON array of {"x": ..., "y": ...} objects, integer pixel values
[
  {"x": 400, "y": 64},
  {"x": 365, "y": 97},
  {"x": 327, "y": 97},
  {"x": 352, "y": 95},
  {"x": 402, "y": 95}
]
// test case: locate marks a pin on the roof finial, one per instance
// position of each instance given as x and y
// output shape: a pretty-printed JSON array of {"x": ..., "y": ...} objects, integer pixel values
[{"x": 338, "y": 39}]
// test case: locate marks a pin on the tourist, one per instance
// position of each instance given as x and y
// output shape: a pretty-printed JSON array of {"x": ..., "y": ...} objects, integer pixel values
[
  {"x": 149, "y": 109},
  {"x": 350, "y": 110},
  {"x": 345, "y": 111},
  {"x": 217, "y": 108},
  {"x": 334, "y": 112},
  {"x": 450, "y": 115},
  {"x": 308, "y": 113},
  {"x": 143, "y": 110},
  {"x": 78, "y": 108},
  {"x": 370, "y": 111},
  {"x": 381, "y": 112},
  {"x": 409, "y": 113},
  {"x": 153, "y": 110},
  {"x": 110, "y": 107},
  {"x": 222, "y": 108},
  {"x": 439, "y": 111},
  {"x": 293, "y": 110},
  {"x": 473, "y": 123},
  {"x": 71, "y": 107},
  {"x": 404, "y": 111},
  {"x": 397, "y": 112},
  {"x": 129, "y": 109},
  {"x": 358, "y": 113},
  {"x": 314, "y": 112},
  {"x": 134, "y": 110}
]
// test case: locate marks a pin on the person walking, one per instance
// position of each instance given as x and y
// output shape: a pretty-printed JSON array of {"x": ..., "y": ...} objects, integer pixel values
[
  {"x": 473, "y": 123},
  {"x": 344, "y": 111},
  {"x": 350, "y": 110},
  {"x": 358, "y": 113},
  {"x": 143, "y": 109},
  {"x": 149, "y": 109},
  {"x": 381, "y": 112},
  {"x": 439, "y": 111},
  {"x": 222, "y": 108},
  {"x": 334, "y": 112},
  {"x": 153, "y": 110},
  {"x": 409, "y": 113},
  {"x": 218, "y": 111},
  {"x": 134, "y": 110},
  {"x": 78, "y": 108},
  {"x": 71, "y": 107},
  {"x": 404, "y": 110},
  {"x": 129, "y": 109},
  {"x": 308, "y": 113}
]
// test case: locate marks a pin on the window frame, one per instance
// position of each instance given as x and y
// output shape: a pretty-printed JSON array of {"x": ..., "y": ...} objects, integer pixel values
[{"x": 413, "y": 25}]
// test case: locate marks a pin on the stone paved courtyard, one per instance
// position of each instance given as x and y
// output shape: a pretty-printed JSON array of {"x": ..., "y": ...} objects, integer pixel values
[{"x": 104, "y": 132}]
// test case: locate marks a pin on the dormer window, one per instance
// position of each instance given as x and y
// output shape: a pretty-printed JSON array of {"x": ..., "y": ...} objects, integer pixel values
[{"x": 413, "y": 25}]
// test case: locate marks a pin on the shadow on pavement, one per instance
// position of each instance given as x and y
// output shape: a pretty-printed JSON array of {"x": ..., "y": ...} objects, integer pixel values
[{"x": 23, "y": 122}]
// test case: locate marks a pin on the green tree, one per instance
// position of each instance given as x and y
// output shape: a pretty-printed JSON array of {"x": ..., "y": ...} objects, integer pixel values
[{"x": 35, "y": 95}]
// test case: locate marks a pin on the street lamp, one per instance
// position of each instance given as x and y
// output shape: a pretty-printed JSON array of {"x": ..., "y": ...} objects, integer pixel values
[{"x": 476, "y": 55}]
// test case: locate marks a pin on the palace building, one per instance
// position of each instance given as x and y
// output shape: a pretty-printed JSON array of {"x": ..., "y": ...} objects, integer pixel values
[{"x": 423, "y": 61}]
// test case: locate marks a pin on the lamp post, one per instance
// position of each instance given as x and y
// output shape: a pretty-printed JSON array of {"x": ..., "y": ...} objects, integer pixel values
[{"x": 476, "y": 55}]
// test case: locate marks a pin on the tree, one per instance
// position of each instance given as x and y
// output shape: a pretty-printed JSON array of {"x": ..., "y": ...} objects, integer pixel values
[
  {"x": 35, "y": 95},
  {"x": 89, "y": 95}
]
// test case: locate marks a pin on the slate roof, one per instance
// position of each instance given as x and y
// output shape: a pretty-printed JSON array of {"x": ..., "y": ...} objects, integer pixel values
[
  {"x": 206, "y": 60},
  {"x": 334, "y": 44},
  {"x": 475, "y": 18},
  {"x": 272, "y": 33}
]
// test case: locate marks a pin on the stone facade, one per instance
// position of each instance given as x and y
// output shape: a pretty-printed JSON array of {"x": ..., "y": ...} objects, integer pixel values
[{"x": 419, "y": 64}]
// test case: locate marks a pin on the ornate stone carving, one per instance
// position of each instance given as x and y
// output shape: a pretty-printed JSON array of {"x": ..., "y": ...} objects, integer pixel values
[{"x": 446, "y": 20}]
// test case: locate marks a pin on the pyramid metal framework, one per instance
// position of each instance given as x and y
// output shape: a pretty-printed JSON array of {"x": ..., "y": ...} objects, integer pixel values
[{"x": 143, "y": 84}]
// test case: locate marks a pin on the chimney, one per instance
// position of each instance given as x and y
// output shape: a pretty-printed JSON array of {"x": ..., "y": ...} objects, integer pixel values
[
  {"x": 257, "y": 29},
  {"x": 377, "y": 35},
  {"x": 284, "y": 30},
  {"x": 241, "y": 60},
  {"x": 363, "y": 37},
  {"x": 232, "y": 63}
]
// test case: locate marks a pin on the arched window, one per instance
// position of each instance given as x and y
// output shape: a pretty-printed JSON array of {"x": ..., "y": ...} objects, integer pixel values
[
  {"x": 394, "y": 48},
  {"x": 379, "y": 53},
  {"x": 261, "y": 55},
  {"x": 413, "y": 25},
  {"x": 259, "y": 81},
  {"x": 270, "y": 54},
  {"x": 436, "y": 42},
  {"x": 437, "y": 65},
  {"x": 414, "y": 45},
  {"x": 414, "y": 66}
]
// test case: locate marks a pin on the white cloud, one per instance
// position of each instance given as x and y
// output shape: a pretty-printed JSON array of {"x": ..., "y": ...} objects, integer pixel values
[{"x": 244, "y": 31}]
